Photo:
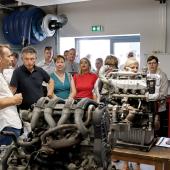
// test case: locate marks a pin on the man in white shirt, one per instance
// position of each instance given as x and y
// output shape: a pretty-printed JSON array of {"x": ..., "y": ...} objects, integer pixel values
[
  {"x": 9, "y": 117},
  {"x": 8, "y": 72}
]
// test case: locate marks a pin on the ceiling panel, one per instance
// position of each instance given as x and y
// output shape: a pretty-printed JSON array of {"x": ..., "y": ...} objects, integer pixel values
[{"x": 49, "y": 2}]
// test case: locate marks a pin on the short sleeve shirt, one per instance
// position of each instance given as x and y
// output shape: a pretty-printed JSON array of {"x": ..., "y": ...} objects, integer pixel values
[
  {"x": 29, "y": 84},
  {"x": 9, "y": 116},
  {"x": 61, "y": 89},
  {"x": 85, "y": 84}
]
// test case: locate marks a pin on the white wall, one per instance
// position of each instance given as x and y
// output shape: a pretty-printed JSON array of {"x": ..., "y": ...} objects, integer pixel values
[
  {"x": 119, "y": 17},
  {"x": 144, "y": 17}
]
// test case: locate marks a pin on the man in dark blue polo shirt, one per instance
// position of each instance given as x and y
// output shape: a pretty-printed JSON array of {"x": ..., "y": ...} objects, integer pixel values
[{"x": 27, "y": 79}]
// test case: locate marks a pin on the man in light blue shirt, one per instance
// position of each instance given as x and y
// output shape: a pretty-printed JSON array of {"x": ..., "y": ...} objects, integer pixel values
[
  {"x": 71, "y": 66},
  {"x": 47, "y": 64}
]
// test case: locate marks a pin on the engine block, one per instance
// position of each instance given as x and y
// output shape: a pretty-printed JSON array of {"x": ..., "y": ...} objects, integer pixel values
[{"x": 130, "y": 100}]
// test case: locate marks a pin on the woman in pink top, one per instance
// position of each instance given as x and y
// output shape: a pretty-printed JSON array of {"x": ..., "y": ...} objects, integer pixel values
[{"x": 85, "y": 80}]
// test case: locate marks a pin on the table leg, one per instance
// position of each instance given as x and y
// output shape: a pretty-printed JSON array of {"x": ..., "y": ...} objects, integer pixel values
[
  {"x": 159, "y": 166},
  {"x": 167, "y": 165}
]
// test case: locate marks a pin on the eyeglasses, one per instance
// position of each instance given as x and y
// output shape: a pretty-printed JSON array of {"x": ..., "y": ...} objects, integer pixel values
[{"x": 152, "y": 63}]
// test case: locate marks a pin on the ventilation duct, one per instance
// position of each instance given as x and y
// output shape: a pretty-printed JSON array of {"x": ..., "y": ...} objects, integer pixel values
[{"x": 31, "y": 26}]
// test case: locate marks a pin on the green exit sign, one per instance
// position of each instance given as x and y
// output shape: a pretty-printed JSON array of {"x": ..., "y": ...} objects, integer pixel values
[{"x": 97, "y": 28}]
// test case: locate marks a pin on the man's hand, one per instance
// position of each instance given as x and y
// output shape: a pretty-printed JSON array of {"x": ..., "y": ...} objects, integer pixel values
[
  {"x": 11, "y": 101},
  {"x": 18, "y": 98},
  {"x": 50, "y": 92}
]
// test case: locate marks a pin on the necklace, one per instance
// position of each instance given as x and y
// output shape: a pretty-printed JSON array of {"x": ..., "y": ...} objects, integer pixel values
[{"x": 61, "y": 77}]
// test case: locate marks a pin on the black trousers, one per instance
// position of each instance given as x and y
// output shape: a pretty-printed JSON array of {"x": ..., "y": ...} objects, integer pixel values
[{"x": 163, "y": 130}]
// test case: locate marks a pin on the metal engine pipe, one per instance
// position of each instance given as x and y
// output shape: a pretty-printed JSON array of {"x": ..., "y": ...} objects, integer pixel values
[
  {"x": 7, "y": 155},
  {"x": 25, "y": 144},
  {"x": 90, "y": 110},
  {"x": 61, "y": 143},
  {"x": 9, "y": 151},
  {"x": 82, "y": 105},
  {"x": 48, "y": 111},
  {"x": 36, "y": 113},
  {"x": 97, "y": 121},
  {"x": 65, "y": 112}
]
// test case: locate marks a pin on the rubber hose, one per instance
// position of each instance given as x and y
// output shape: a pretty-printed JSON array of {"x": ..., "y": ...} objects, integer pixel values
[{"x": 24, "y": 26}]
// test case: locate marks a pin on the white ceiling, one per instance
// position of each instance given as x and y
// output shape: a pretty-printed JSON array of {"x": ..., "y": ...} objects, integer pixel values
[{"x": 49, "y": 2}]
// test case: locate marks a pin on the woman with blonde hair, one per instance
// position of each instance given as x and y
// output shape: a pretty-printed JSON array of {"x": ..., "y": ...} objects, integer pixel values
[
  {"x": 132, "y": 65},
  {"x": 85, "y": 80}
]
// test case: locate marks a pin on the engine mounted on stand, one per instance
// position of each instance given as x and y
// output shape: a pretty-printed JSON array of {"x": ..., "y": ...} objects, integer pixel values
[{"x": 130, "y": 100}]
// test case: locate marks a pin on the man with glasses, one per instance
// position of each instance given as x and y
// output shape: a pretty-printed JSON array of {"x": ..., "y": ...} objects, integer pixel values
[{"x": 153, "y": 68}]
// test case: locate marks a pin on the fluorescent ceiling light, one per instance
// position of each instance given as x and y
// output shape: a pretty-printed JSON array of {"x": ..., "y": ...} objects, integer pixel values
[{"x": 49, "y": 2}]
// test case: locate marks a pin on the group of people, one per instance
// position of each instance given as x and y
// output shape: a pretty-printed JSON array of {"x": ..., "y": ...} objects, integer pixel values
[{"x": 58, "y": 76}]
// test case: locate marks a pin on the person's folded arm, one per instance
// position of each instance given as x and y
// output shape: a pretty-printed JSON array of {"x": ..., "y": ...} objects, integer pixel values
[
  {"x": 11, "y": 101},
  {"x": 50, "y": 92}
]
